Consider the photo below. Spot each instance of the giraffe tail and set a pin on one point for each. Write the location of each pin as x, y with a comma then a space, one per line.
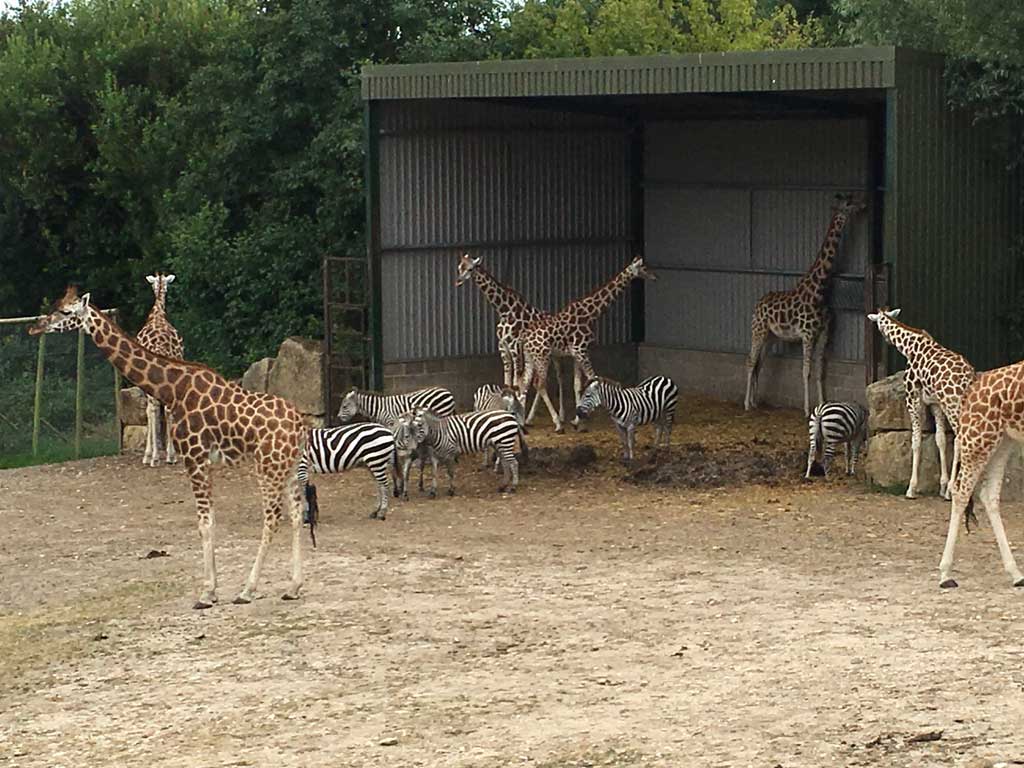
969, 516
312, 513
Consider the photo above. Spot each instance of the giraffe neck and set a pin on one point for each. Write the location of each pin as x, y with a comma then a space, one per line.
817, 276
595, 303
159, 310
504, 299
909, 342
136, 363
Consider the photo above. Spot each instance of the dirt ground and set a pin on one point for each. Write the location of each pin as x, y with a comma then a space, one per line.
599, 617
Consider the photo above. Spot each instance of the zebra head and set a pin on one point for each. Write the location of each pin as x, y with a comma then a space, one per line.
882, 318
349, 406
69, 314
424, 424
406, 438
466, 266
510, 402
590, 399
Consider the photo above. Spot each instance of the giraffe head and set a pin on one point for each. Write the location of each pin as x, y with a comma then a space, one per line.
637, 268
846, 205
883, 319
69, 314
466, 266
159, 283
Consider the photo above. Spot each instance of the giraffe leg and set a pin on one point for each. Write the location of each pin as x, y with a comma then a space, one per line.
916, 409
991, 491
292, 498
507, 363
199, 475
975, 458
582, 368
540, 382
271, 482
171, 458
556, 362
940, 443
758, 336
819, 360
150, 457
954, 468
808, 344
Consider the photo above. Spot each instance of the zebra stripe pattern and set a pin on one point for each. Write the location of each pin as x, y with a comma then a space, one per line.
385, 409
831, 424
452, 436
494, 397
652, 400
339, 448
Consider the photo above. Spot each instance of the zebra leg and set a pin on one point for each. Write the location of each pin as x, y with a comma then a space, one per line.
450, 466
406, 464
624, 439
810, 457
826, 458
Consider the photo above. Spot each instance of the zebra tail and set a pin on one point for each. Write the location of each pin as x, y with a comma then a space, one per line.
969, 516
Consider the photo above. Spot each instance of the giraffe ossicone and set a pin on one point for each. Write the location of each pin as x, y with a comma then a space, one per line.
210, 417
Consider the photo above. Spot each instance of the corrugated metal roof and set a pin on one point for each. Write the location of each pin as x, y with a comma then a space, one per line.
813, 69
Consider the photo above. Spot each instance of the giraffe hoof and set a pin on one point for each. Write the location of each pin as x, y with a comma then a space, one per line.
1019, 582
200, 605
559, 430
241, 600
289, 596
948, 584
910, 495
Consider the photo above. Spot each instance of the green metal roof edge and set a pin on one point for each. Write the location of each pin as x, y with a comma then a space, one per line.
737, 71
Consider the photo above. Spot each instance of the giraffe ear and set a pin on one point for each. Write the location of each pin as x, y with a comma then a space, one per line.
873, 317
893, 313
85, 299
169, 279
477, 260
151, 279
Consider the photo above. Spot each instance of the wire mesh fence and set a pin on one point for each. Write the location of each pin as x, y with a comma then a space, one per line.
58, 397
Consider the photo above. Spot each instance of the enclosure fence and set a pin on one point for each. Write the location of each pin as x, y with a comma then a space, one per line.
58, 396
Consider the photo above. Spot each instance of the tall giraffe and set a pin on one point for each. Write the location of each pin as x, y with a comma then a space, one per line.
936, 378
514, 314
570, 331
991, 425
212, 420
801, 314
162, 338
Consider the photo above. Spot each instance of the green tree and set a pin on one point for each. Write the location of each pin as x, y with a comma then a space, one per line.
546, 28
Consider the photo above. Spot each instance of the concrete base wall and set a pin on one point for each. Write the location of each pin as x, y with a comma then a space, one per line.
725, 375
462, 375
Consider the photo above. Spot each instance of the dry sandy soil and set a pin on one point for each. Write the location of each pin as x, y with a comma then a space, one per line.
599, 617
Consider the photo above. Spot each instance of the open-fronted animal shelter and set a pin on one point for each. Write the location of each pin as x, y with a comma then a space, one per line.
719, 168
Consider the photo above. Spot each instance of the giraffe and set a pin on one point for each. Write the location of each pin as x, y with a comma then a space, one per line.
936, 378
991, 425
801, 313
212, 420
570, 332
514, 314
159, 336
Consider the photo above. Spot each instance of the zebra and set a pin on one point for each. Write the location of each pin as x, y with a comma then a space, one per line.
831, 424
407, 448
494, 397
335, 449
652, 400
454, 435
386, 409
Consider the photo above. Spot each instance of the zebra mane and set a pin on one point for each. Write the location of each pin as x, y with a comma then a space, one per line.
605, 381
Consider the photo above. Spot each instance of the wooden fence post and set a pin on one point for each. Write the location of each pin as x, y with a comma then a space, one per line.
79, 391
117, 398
38, 405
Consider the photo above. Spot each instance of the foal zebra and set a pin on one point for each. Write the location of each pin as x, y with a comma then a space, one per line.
652, 400
831, 424
336, 449
451, 436
386, 409
494, 397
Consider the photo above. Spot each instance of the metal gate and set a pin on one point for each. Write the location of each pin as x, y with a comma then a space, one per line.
348, 329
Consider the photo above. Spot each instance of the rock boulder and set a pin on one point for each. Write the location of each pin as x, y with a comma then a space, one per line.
257, 377
133, 406
889, 459
297, 374
133, 439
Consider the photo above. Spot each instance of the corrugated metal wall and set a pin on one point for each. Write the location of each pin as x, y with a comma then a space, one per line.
543, 197
955, 216
734, 209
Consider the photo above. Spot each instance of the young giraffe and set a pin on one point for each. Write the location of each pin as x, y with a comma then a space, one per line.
514, 314
991, 425
162, 338
212, 420
936, 378
801, 313
570, 331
